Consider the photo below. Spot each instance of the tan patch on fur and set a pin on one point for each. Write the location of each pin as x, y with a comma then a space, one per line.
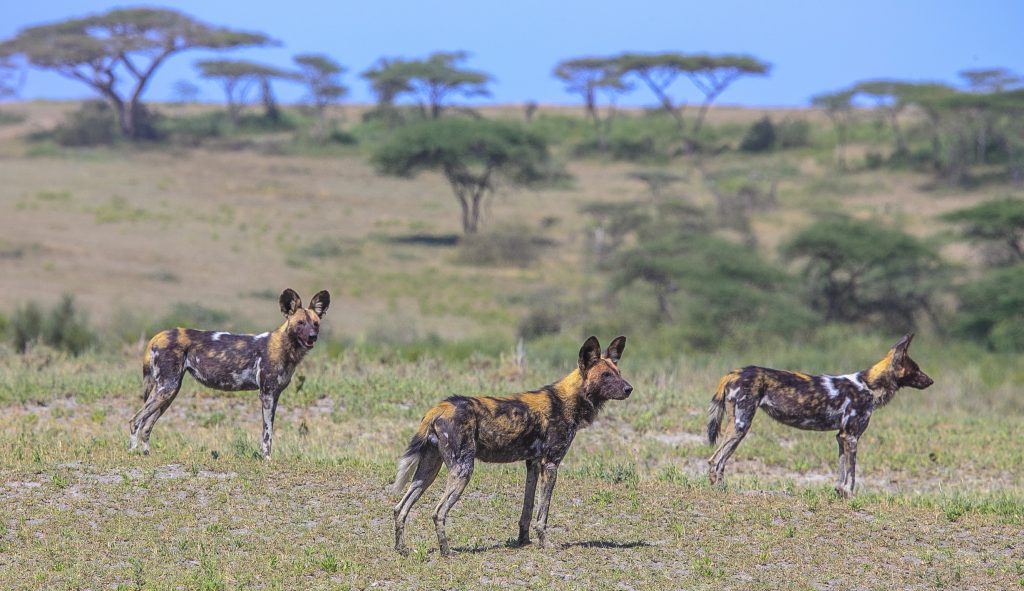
880, 369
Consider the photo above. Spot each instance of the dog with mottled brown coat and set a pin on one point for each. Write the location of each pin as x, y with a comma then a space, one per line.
535, 427
811, 402
229, 362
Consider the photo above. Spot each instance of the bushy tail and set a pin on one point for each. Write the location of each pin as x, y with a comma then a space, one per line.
716, 410
410, 460
147, 382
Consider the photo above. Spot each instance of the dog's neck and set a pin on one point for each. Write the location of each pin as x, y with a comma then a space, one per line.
580, 407
880, 378
283, 349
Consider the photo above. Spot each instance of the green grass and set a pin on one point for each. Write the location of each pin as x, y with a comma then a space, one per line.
939, 488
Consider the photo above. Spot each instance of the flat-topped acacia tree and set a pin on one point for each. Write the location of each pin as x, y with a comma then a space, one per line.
591, 77
474, 155
116, 53
430, 82
238, 77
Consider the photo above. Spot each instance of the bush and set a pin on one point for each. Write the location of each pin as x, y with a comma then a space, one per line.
792, 133
64, 327
710, 289
861, 271
195, 315
93, 124
507, 246
997, 224
760, 137
990, 310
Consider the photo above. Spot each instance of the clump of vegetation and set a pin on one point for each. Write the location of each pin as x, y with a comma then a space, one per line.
504, 246
474, 155
760, 136
93, 124
991, 309
997, 225
714, 288
63, 327
863, 272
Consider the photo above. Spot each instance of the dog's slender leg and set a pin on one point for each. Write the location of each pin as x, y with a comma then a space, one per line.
851, 464
742, 416
148, 384
160, 401
841, 472
548, 476
532, 470
426, 472
269, 402
458, 478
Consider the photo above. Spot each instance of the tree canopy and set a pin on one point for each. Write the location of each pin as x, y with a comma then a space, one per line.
590, 77
430, 82
999, 222
990, 309
863, 271
116, 53
239, 77
322, 77
474, 155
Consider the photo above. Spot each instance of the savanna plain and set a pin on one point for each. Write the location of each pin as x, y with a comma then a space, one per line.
144, 235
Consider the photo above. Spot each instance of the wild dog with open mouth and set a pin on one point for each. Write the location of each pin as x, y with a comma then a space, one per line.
536, 426
230, 362
815, 403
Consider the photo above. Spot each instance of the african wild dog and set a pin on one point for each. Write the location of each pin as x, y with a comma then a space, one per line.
536, 426
815, 403
226, 361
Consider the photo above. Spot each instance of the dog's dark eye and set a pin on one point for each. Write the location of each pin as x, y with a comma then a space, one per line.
302, 322
316, 324
606, 374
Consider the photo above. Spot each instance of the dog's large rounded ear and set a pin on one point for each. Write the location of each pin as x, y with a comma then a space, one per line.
320, 302
290, 302
590, 354
615, 348
899, 350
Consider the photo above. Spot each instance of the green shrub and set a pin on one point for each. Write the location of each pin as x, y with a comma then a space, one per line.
760, 137
64, 327
540, 321
93, 124
991, 309
792, 133
863, 272
195, 315
997, 224
709, 289
506, 246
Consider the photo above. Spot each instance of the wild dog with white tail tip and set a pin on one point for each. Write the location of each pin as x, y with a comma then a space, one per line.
811, 402
230, 362
536, 427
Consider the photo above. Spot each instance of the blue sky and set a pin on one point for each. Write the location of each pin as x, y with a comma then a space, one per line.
813, 46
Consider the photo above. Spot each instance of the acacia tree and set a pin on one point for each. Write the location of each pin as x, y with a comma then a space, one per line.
859, 271
431, 82
322, 77
999, 222
239, 77
117, 53
713, 74
889, 97
589, 77
11, 77
658, 71
474, 155
838, 106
